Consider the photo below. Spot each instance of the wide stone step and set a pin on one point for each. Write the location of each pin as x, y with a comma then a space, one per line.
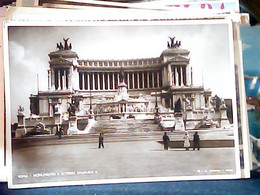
124, 126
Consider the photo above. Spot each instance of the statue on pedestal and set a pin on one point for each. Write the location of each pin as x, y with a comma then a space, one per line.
178, 107
72, 109
20, 110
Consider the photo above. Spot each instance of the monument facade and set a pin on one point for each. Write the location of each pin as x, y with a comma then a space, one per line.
84, 89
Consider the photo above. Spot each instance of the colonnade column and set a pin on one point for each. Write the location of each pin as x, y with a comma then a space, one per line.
170, 74
187, 75
152, 79
52, 79
88, 76
103, 80
158, 79
70, 78
59, 80
113, 76
49, 79
133, 80
165, 75
65, 79
83, 81
127, 79
148, 80
108, 81
202, 101
181, 75
98, 80
176, 77
93, 81
143, 79
138, 84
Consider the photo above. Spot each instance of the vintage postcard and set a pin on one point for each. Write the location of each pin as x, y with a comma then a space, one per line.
119, 102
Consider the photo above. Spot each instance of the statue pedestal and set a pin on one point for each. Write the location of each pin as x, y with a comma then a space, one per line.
189, 118
57, 118
224, 122
20, 132
179, 122
20, 118
73, 129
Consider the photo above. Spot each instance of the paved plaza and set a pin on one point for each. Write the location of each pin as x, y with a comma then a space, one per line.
119, 159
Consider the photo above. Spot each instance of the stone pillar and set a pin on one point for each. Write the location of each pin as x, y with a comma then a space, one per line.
52, 80
191, 76
103, 81
133, 80
158, 79
153, 79
169, 75
113, 76
138, 81
69, 78
93, 81
176, 76
98, 80
108, 81
88, 82
65, 79
181, 73
148, 85
59, 80
165, 75
128, 80
49, 79
202, 101
187, 76
83, 81
143, 79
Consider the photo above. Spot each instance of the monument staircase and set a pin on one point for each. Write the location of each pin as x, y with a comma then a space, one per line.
125, 127
132, 129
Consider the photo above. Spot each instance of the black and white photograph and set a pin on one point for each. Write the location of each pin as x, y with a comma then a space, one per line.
120, 102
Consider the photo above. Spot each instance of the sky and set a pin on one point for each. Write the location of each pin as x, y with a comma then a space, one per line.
29, 48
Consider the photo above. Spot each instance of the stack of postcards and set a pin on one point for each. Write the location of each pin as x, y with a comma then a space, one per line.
100, 91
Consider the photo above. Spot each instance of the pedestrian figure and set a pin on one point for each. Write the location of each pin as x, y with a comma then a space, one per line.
173, 128
59, 131
166, 141
101, 141
186, 141
196, 141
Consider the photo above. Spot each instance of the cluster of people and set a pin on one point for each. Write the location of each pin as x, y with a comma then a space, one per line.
166, 141
186, 144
